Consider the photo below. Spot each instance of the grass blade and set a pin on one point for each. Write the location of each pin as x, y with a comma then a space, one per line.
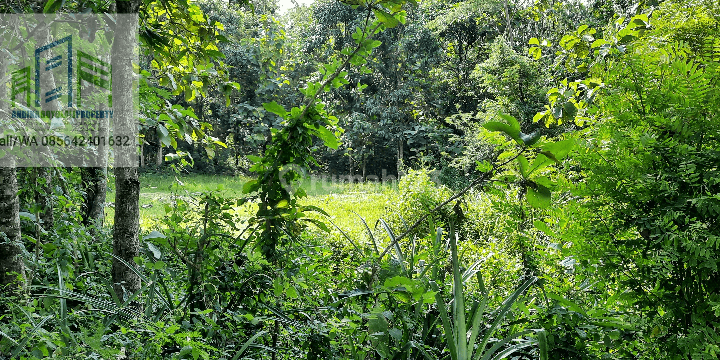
459, 299
449, 334
145, 279
394, 242
346, 236
542, 341
502, 343
502, 312
370, 234
247, 344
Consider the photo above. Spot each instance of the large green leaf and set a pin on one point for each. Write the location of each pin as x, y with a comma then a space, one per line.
505, 128
514, 123
53, 6
275, 108
327, 136
541, 161
386, 18
523, 166
560, 149
539, 196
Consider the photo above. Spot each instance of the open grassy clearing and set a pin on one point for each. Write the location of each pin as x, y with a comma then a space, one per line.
342, 201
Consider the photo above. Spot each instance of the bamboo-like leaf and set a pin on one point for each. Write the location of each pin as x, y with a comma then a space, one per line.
502, 312
247, 344
476, 322
502, 343
394, 243
542, 341
370, 234
458, 299
449, 334
509, 351
347, 237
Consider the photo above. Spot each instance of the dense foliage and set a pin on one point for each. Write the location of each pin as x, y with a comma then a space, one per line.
547, 188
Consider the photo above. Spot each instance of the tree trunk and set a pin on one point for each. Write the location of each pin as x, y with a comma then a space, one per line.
351, 167
159, 155
364, 167
44, 196
126, 244
94, 181
12, 268
142, 153
400, 158
43, 188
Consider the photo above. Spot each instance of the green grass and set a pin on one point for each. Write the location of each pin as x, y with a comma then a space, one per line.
339, 200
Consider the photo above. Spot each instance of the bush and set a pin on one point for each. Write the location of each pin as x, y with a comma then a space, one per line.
417, 195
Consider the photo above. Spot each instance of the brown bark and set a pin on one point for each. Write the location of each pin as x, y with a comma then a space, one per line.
126, 244
94, 182
43, 189
12, 268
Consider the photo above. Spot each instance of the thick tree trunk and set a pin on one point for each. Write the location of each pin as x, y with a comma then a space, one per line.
126, 245
12, 268
159, 154
142, 154
94, 180
43, 189
44, 196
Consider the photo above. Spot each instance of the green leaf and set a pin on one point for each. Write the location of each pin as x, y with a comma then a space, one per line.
530, 139
291, 292
53, 6
542, 226
567, 303
505, 128
386, 18
154, 235
327, 136
542, 342
523, 165
539, 116
275, 108
163, 135
534, 41
189, 94
251, 186
569, 111
560, 149
539, 196
541, 161
27, 216
514, 124
155, 251
398, 281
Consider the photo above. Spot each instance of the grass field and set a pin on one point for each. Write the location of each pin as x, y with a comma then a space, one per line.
342, 201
